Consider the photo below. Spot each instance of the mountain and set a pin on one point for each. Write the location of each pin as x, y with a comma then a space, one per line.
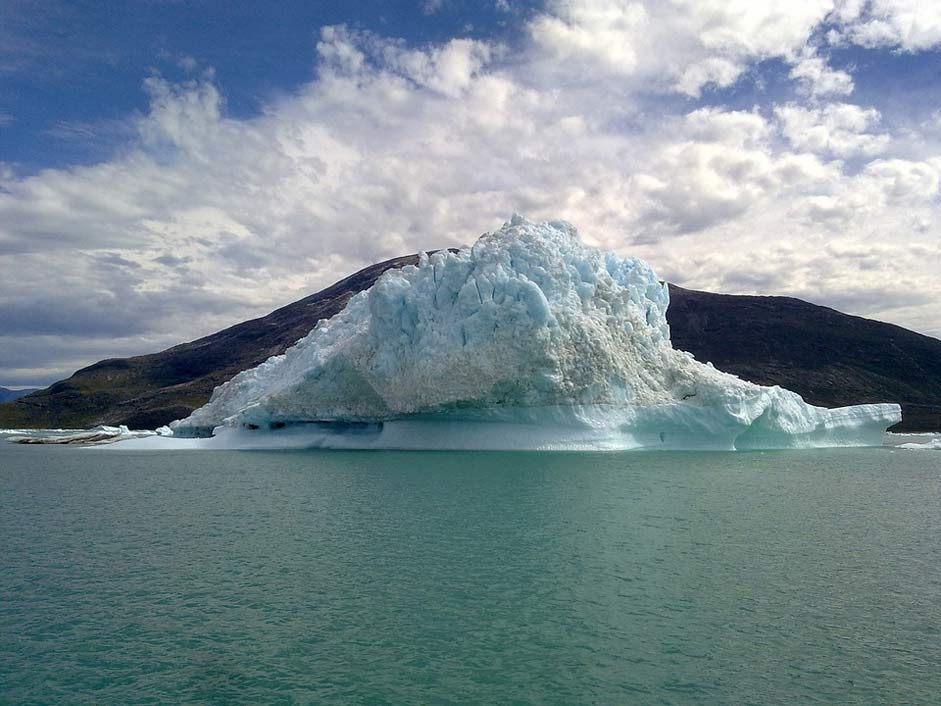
830, 358
8, 395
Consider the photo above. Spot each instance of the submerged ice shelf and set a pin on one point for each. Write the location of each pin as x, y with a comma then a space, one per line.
527, 339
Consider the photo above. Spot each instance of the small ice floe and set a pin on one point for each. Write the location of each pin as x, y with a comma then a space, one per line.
28, 432
921, 441
101, 434
932, 444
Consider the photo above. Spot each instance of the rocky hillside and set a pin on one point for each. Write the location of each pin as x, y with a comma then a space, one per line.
830, 358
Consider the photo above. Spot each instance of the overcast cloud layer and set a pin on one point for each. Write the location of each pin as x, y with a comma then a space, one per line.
611, 114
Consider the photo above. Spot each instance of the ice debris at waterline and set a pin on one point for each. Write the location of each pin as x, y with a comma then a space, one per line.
529, 339
101, 434
930, 445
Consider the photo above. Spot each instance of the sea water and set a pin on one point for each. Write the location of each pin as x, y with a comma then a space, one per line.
226, 577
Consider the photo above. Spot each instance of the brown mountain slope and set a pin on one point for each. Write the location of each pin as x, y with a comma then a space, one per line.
830, 358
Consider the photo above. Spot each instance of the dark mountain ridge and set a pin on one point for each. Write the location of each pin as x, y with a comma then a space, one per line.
831, 359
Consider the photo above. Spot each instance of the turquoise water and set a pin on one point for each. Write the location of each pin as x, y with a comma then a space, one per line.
396, 578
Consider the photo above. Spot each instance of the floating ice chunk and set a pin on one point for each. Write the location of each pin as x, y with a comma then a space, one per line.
930, 445
528, 339
101, 434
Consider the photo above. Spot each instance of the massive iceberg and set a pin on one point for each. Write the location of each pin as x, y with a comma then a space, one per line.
527, 339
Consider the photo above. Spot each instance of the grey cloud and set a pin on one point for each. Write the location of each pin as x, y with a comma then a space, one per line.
67, 317
172, 260
753, 281
106, 313
39, 360
115, 260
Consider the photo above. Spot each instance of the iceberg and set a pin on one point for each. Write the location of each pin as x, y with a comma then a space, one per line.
529, 339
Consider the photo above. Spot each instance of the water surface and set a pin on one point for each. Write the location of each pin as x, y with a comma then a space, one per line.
487, 578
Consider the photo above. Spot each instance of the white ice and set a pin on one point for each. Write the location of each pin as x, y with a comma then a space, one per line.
101, 434
930, 445
527, 339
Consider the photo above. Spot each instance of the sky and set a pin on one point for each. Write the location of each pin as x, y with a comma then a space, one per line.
169, 168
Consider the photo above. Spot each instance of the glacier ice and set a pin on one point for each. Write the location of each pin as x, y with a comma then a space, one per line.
527, 339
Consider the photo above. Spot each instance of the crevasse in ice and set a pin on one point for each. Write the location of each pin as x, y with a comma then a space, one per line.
527, 339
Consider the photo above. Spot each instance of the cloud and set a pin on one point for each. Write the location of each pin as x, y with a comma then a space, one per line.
685, 46
815, 78
838, 129
186, 62
606, 33
200, 220
430, 7
911, 25
718, 172
100, 134
691, 46
447, 69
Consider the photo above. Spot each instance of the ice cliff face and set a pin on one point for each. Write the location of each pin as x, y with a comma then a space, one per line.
528, 328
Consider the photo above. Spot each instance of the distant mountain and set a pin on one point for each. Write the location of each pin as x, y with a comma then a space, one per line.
8, 395
830, 358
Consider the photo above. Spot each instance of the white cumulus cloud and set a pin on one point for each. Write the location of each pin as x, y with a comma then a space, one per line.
839, 129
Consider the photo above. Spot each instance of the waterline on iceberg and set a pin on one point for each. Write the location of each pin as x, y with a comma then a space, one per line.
574, 428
